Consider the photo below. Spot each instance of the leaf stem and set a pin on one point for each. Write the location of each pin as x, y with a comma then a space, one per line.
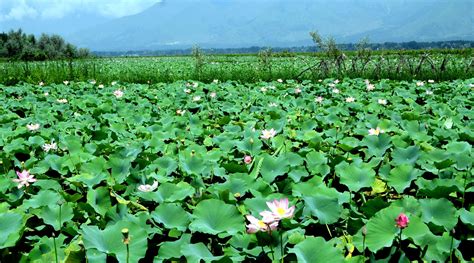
55, 249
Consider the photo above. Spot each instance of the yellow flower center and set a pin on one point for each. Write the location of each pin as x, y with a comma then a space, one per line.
280, 211
261, 224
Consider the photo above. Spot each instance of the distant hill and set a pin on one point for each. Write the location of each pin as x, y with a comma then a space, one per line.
175, 24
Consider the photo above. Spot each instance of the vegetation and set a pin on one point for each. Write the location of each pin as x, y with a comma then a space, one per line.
16, 45
352, 171
267, 66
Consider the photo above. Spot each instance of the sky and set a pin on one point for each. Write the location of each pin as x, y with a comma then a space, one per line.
18, 10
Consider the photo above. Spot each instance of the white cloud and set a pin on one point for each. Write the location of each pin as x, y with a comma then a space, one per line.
51, 9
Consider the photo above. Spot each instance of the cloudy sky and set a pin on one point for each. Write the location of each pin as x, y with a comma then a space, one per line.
18, 10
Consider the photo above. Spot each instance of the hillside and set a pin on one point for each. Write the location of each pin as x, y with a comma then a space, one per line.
240, 23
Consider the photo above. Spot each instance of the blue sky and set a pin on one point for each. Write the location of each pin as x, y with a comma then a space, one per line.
18, 10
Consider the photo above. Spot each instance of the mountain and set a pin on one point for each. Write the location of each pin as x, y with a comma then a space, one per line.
174, 24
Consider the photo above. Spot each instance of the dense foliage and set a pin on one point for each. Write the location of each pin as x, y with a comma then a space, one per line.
265, 66
16, 45
377, 170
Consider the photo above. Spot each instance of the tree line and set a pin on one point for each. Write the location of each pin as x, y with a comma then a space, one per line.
17, 45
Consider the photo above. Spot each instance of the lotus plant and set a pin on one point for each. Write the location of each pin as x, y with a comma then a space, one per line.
376, 131
248, 159
24, 179
148, 188
33, 126
268, 134
50, 146
118, 93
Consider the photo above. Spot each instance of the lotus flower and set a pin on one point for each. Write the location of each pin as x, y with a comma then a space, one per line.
336, 81
180, 112
263, 89
62, 100
196, 98
215, 81
280, 80
118, 93
46, 94
147, 187
33, 127
402, 221
101, 86
420, 83
431, 81
376, 131
51, 146
429, 92
272, 104
297, 91
257, 225
247, 159
278, 210
93, 82
41, 83
24, 178
66, 82
213, 95
268, 134
350, 99
336, 91
319, 99
382, 101
113, 83
187, 91
370, 87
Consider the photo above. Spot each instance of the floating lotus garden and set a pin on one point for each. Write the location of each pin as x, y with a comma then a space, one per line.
329, 171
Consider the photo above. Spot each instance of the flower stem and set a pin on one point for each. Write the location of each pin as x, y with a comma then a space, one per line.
281, 246
55, 249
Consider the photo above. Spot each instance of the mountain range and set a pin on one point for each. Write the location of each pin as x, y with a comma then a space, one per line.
175, 24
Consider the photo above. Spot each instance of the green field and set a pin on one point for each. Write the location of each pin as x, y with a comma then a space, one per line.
438, 65
172, 170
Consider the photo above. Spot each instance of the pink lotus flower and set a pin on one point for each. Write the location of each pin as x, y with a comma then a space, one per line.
118, 94
278, 210
268, 134
248, 159
147, 187
24, 178
213, 95
297, 91
319, 99
402, 221
257, 225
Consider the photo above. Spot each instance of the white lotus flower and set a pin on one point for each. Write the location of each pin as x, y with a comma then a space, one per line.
180, 112
33, 127
297, 91
376, 131
215, 81
429, 92
148, 188
370, 87
272, 104
213, 95
62, 100
350, 99
41, 83
50, 146
280, 80
319, 99
268, 134
187, 91
263, 89
336, 91
66, 82
196, 98
113, 83
382, 101
431, 81
420, 83
46, 94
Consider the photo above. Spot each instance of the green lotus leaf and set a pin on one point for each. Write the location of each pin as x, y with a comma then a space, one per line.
440, 212
407, 155
355, 175
11, 228
196, 252
56, 216
213, 216
99, 199
171, 216
377, 145
316, 249
317, 163
110, 240
381, 229
172, 249
401, 177
273, 167
327, 209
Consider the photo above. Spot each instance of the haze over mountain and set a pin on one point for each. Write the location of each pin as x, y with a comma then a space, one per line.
174, 24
